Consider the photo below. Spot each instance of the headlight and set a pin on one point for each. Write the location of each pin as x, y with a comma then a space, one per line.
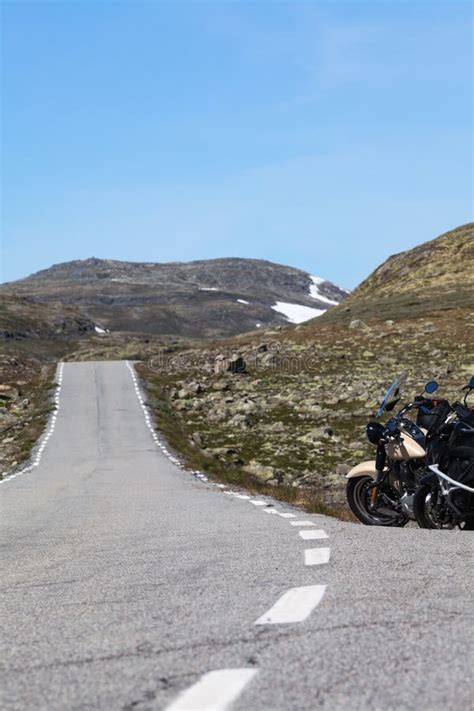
374, 432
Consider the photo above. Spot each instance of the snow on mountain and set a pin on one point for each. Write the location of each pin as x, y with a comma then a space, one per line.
296, 313
315, 293
242, 301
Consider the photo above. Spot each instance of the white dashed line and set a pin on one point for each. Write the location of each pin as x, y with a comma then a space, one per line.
149, 423
46, 435
313, 535
293, 606
302, 523
286, 515
316, 556
257, 502
214, 691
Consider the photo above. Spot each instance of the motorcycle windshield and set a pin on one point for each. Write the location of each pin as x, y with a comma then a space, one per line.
392, 393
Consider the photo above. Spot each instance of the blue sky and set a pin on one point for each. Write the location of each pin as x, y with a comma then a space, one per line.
324, 135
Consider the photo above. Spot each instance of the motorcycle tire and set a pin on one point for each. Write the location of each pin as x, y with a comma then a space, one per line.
358, 498
421, 511
421, 503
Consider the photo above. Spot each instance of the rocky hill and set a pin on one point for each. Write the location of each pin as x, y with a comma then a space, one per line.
435, 276
24, 318
209, 298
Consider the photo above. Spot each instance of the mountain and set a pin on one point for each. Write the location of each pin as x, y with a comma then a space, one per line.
208, 298
433, 277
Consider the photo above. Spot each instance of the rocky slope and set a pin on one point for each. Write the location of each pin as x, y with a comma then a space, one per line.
24, 318
288, 408
435, 276
210, 298
26, 386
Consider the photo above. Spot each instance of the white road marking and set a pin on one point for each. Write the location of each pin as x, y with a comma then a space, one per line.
316, 556
242, 496
270, 510
214, 691
256, 502
148, 418
286, 515
313, 535
293, 606
46, 435
302, 523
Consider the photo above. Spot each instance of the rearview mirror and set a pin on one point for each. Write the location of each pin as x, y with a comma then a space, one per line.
391, 405
431, 387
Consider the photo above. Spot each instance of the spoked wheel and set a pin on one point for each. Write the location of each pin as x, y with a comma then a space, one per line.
429, 514
424, 508
359, 498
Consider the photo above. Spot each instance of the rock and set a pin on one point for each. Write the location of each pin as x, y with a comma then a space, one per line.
181, 406
233, 365
195, 388
237, 365
267, 360
221, 364
278, 427
242, 422
358, 324
260, 471
197, 439
315, 436
342, 469
225, 453
220, 385
247, 407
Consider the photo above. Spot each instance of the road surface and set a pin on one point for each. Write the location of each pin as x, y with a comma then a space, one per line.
129, 584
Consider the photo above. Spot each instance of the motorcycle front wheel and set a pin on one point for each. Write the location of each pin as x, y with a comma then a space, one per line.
358, 492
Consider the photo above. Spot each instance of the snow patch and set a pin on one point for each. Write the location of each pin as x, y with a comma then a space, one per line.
258, 325
242, 301
208, 288
316, 294
296, 313
99, 329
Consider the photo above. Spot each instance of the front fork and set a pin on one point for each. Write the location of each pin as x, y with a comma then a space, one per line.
380, 461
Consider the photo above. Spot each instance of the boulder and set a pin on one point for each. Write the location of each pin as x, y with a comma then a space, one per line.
237, 364
260, 471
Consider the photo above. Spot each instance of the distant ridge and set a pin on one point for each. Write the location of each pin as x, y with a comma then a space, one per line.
205, 298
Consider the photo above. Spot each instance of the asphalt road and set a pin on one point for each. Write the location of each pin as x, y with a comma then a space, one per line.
128, 584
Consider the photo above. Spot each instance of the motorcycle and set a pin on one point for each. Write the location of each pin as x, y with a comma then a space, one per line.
444, 497
380, 492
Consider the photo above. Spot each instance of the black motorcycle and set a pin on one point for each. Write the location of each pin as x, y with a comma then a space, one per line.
444, 497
